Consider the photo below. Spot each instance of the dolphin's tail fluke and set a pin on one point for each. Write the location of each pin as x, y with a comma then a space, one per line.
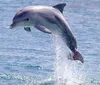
78, 56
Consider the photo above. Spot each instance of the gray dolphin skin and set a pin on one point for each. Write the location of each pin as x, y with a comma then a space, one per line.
48, 19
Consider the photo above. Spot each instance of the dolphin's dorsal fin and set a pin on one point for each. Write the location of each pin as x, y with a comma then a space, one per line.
60, 7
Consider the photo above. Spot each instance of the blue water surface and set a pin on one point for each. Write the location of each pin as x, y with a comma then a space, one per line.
28, 59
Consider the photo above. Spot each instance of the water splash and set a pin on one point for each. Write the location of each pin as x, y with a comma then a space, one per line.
67, 72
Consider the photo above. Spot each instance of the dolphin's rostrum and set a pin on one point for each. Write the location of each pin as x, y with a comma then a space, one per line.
48, 19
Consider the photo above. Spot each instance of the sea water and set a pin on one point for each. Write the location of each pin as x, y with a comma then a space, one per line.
31, 59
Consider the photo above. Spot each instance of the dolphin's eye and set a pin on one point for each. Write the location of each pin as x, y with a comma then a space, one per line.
27, 19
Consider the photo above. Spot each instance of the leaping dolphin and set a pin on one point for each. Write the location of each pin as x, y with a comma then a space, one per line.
48, 19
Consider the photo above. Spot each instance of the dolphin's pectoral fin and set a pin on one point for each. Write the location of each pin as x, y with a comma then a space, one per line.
27, 29
60, 7
43, 29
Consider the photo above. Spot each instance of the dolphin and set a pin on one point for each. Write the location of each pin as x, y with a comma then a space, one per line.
48, 19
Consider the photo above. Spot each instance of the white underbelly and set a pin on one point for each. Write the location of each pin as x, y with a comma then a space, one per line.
50, 26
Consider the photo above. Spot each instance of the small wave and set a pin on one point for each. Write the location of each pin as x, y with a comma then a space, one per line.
33, 67
28, 80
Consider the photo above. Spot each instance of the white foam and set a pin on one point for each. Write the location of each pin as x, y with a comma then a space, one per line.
67, 72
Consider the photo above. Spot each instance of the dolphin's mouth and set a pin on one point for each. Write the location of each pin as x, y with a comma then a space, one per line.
11, 26
16, 24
